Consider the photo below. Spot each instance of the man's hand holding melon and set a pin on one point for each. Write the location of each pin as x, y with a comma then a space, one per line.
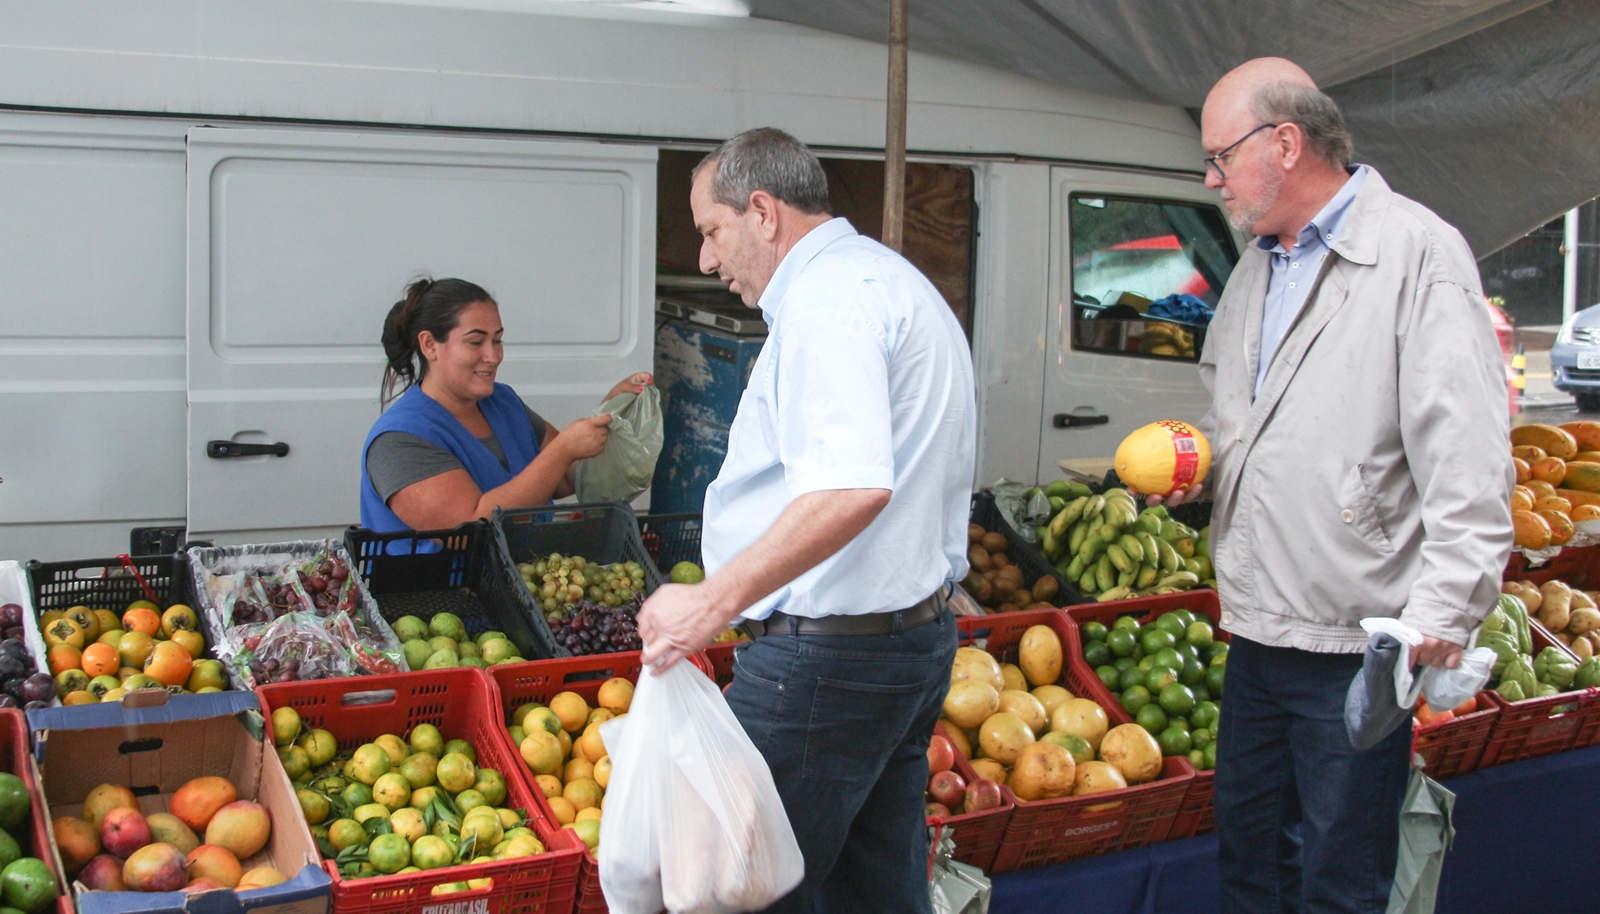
1165, 461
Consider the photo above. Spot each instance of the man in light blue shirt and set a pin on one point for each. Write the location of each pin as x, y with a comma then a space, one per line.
836, 523
1294, 273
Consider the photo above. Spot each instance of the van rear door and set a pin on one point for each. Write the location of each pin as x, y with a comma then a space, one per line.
1120, 242
301, 240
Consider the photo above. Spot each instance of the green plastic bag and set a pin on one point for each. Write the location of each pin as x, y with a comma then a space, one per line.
1426, 833
624, 469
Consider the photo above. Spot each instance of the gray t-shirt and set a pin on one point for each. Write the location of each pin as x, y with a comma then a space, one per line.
399, 459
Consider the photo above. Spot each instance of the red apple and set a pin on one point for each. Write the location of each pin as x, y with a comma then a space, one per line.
947, 787
982, 794
124, 831
938, 811
941, 755
103, 874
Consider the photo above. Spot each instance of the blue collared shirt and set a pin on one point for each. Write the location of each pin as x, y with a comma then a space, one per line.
1294, 273
865, 382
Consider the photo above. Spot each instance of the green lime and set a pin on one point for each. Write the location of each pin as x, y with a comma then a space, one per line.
1192, 673
9, 850
1201, 693
1138, 651
1174, 741
1187, 651
1152, 718
1214, 678
1199, 634
1130, 677
1122, 663
1171, 623
1093, 631
1201, 736
1197, 758
1110, 676
1158, 679
1135, 698
1154, 639
1205, 713
687, 573
1148, 663
1217, 652
14, 802
1210, 755
1120, 641
1095, 653
1126, 624
1176, 699
1179, 721
1169, 658
1185, 616
28, 885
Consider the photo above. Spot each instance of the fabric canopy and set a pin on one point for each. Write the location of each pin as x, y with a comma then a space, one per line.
1488, 111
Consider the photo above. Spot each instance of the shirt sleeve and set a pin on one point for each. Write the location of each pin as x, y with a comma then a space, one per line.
833, 412
541, 428
397, 459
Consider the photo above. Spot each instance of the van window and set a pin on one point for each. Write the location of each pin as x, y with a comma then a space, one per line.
1146, 274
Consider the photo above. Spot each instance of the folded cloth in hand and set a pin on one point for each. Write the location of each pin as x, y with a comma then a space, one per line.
1180, 307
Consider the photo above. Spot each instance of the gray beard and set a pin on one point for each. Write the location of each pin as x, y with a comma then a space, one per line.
1245, 219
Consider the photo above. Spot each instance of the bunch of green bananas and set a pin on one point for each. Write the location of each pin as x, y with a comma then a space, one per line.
1109, 548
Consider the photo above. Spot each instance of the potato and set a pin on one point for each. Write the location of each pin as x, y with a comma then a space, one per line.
994, 542
1555, 606
978, 558
1583, 648
1579, 622
1530, 596
1564, 638
1582, 600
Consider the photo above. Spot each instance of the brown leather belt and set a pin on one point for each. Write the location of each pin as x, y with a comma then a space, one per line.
882, 623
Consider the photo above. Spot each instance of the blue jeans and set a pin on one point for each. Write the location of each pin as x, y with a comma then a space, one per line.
1305, 823
844, 723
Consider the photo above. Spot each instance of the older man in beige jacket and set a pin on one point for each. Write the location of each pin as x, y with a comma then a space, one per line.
1362, 469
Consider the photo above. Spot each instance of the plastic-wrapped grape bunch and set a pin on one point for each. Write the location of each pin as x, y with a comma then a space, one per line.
261, 598
595, 628
560, 582
325, 580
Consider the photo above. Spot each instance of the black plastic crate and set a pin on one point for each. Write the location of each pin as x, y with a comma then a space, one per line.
671, 538
109, 583
1032, 562
456, 571
605, 533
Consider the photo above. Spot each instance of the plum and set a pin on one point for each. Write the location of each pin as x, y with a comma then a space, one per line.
10, 615
38, 687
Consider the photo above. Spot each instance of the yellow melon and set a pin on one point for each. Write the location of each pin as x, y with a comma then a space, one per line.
1162, 457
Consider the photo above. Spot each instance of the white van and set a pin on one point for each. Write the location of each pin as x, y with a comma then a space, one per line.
209, 207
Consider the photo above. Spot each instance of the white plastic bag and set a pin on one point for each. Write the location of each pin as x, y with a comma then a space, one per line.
1444, 688
696, 825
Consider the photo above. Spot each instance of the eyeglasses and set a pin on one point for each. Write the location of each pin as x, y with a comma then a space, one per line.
1213, 162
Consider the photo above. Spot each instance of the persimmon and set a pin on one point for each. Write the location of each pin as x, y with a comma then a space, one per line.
141, 619
100, 659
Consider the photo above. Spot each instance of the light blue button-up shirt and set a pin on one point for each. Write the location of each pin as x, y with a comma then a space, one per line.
865, 382
1294, 273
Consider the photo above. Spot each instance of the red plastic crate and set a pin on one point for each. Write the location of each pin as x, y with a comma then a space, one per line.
462, 703
977, 834
1196, 815
1456, 746
1576, 566
1045, 832
16, 757
720, 656
1541, 726
539, 680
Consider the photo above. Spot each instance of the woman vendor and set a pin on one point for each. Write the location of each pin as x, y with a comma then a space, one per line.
452, 444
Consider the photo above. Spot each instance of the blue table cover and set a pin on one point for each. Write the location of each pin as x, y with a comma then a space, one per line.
1520, 829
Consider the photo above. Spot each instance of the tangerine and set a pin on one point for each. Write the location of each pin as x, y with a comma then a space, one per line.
101, 660
141, 619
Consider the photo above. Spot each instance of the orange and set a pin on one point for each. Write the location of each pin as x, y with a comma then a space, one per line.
63, 657
141, 619
616, 695
169, 662
571, 709
193, 642
101, 660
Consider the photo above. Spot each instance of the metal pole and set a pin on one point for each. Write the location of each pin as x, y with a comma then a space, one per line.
894, 147
1569, 271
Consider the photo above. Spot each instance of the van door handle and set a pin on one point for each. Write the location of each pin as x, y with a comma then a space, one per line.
218, 450
1071, 420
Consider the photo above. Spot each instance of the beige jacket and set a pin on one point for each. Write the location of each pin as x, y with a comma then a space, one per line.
1373, 475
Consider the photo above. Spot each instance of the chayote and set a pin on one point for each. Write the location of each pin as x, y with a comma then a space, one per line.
1521, 672
1555, 667
1588, 675
1510, 690
1504, 645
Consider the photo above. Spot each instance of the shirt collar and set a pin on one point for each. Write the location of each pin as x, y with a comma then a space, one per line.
794, 263
1328, 225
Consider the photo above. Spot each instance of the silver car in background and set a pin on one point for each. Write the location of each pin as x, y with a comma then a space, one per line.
1575, 359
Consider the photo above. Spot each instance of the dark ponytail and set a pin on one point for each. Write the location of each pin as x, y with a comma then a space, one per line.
431, 305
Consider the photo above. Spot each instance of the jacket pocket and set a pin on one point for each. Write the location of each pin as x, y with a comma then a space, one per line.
1359, 510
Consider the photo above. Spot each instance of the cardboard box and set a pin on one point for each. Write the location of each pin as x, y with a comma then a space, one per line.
157, 749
